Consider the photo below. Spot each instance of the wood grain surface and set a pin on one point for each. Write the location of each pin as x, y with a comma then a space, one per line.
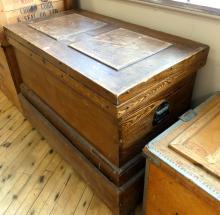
116, 111
168, 195
177, 174
201, 141
120, 48
128, 117
62, 27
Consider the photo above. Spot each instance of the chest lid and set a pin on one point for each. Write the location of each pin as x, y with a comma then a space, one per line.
115, 59
200, 142
192, 146
117, 48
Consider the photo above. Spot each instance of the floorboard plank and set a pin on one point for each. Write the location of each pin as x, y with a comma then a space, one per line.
5, 105
70, 197
34, 187
11, 163
15, 140
7, 117
56, 192
84, 202
34, 179
51, 190
10, 176
7, 200
10, 127
97, 207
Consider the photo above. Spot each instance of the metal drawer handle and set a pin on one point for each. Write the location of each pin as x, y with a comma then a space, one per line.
161, 113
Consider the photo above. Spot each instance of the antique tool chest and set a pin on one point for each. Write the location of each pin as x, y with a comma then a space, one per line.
99, 88
13, 11
183, 165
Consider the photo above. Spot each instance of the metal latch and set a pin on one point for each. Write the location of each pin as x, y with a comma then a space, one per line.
189, 115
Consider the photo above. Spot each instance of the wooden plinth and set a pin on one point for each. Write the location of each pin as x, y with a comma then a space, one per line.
121, 200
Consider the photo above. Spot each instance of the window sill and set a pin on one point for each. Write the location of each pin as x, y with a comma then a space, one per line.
182, 6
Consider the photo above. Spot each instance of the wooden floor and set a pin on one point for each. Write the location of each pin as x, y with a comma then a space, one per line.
33, 178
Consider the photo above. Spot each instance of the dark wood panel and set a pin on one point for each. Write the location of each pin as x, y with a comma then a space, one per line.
71, 4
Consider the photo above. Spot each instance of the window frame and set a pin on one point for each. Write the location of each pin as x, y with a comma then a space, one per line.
182, 6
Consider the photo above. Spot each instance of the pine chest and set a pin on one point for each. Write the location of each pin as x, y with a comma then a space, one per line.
183, 165
99, 88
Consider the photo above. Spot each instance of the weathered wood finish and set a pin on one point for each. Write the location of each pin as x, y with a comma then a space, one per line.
189, 171
121, 200
120, 47
128, 121
117, 87
200, 142
118, 175
86, 108
134, 125
63, 27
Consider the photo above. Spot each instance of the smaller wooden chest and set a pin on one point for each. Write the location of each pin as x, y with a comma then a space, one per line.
183, 165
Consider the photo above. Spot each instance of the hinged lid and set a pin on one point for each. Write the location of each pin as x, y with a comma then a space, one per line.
200, 142
117, 48
115, 59
192, 147
120, 48
62, 27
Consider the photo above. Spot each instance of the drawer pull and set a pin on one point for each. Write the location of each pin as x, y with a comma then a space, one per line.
161, 113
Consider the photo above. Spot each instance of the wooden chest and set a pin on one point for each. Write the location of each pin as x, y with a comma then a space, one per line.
13, 11
183, 165
104, 87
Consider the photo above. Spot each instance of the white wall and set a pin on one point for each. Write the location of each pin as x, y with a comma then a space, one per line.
195, 27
